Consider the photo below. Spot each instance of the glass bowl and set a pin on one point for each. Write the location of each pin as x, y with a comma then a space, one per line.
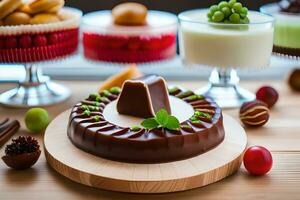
225, 47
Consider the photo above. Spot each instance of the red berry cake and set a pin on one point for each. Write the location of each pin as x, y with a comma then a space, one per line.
121, 35
39, 42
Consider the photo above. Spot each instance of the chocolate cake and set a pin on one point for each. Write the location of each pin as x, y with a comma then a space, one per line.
143, 97
89, 130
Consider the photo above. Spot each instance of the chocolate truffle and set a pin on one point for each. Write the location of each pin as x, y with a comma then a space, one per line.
254, 113
294, 80
144, 97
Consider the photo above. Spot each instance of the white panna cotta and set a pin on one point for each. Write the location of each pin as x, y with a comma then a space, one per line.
226, 45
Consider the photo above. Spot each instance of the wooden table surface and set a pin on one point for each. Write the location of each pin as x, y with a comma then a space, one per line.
281, 135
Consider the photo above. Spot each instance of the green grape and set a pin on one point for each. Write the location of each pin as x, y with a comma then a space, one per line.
243, 15
245, 20
218, 16
209, 15
237, 7
234, 18
115, 90
231, 3
36, 120
244, 11
223, 4
213, 9
227, 12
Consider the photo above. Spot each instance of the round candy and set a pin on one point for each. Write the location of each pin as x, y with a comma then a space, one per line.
294, 80
268, 95
37, 120
254, 113
258, 160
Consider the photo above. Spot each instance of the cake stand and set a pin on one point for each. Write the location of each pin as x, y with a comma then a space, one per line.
287, 31
94, 171
225, 47
103, 41
62, 41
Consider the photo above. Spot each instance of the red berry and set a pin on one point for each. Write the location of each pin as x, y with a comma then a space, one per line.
268, 95
258, 160
168, 40
2, 44
154, 43
134, 43
53, 38
25, 41
11, 43
40, 40
116, 42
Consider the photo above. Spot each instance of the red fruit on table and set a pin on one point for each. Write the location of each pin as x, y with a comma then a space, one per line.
53, 38
11, 43
258, 160
25, 41
268, 95
40, 40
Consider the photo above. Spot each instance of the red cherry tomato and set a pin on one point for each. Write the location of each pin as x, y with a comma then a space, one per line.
258, 160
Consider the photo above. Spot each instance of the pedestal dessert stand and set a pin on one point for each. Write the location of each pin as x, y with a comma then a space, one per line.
225, 47
36, 89
94, 171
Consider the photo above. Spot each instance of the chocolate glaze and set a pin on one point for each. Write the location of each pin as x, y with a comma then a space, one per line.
144, 97
287, 51
110, 141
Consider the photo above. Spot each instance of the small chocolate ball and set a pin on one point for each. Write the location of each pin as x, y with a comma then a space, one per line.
268, 95
254, 113
294, 80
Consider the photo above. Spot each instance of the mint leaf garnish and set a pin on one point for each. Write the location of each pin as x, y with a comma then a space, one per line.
150, 123
173, 123
161, 119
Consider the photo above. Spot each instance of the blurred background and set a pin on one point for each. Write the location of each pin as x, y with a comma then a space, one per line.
77, 68
174, 6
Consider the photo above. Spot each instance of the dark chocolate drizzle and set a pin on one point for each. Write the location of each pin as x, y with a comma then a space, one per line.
123, 144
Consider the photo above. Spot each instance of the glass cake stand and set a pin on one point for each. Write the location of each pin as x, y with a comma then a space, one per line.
225, 47
37, 89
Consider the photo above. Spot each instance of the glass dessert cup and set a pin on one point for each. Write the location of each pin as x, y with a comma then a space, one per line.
36, 89
225, 47
286, 31
104, 41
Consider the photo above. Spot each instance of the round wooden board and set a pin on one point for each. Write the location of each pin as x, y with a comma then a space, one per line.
94, 171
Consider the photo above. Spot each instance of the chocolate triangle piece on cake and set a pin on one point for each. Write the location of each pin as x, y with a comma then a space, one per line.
143, 97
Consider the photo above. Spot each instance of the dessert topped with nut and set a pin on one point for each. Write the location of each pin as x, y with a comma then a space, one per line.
37, 30
217, 36
129, 33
